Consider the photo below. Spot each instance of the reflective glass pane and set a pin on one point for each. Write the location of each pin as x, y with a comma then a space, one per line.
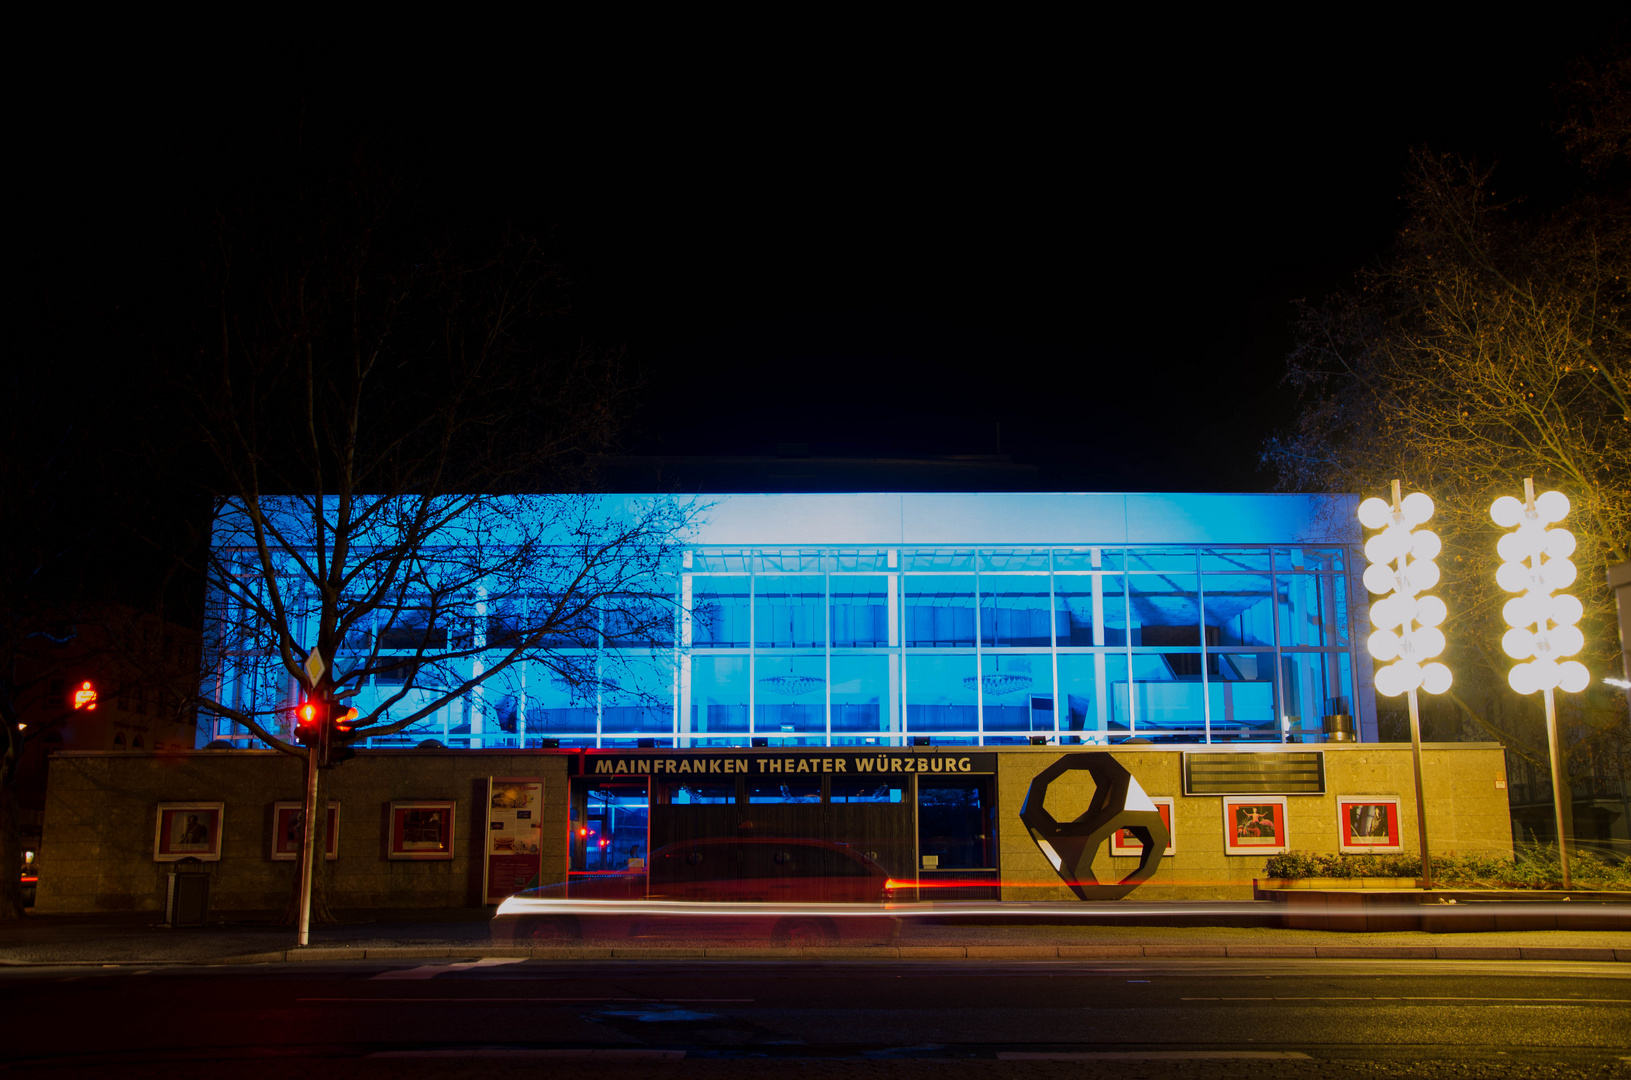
939, 611
1242, 690
1239, 609
868, 791
554, 707
862, 700
860, 611
790, 561
719, 694
1018, 691
639, 693
938, 559
1323, 560
720, 612
1014, 611
1088, 684
1317, 685
1166, 609
791, 694
1235, 560
1084, 604
1313, 610
1167, 560
784, 791
847, 559
1102, 558
790, 612
640, 619
1014, 559
942, 693
695, 792
719, 561
1171, 699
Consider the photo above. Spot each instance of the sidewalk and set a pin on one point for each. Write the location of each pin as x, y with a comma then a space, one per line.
135, 939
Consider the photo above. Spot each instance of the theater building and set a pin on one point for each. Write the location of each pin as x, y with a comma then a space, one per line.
940, 681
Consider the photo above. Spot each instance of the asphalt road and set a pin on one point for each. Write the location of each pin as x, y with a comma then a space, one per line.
905, 1019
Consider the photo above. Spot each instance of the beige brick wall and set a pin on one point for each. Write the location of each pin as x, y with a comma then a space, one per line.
97, 850
1466, 812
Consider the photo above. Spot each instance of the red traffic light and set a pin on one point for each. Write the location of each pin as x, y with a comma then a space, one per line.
308, 721
85, 696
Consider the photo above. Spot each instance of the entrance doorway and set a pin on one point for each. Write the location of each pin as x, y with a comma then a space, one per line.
611, 826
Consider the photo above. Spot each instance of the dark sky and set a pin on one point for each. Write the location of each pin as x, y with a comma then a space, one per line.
884, 242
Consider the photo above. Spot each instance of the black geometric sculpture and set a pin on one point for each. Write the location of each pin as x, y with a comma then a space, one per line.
1118, 803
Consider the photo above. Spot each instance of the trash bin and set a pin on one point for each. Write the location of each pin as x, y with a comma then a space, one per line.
187, 901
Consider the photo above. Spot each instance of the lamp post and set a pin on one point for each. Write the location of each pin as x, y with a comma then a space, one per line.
1535, 563
1406, 636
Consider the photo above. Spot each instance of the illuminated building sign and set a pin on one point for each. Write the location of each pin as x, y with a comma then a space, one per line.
853, 764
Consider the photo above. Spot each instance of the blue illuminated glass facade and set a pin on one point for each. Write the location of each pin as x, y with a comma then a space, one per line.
832, 643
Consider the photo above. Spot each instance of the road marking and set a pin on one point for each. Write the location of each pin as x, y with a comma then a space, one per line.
430, 971
551, 1000
1565, 1001
523, 1052
1160, 1055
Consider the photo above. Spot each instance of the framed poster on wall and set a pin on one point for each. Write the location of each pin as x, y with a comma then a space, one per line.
1123, 842
190, 830
422, 829
1254, 824
513, 856
1368, 823
289, 831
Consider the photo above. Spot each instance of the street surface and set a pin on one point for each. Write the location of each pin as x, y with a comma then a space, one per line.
1264, 1019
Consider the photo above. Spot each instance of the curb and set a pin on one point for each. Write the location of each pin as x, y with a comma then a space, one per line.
322, 954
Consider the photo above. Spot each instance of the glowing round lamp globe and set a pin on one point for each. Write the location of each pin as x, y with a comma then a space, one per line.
1564, 610
1510, 548
1518, 643
1383, 644
1417, 507
1379, 578
1512, 576
1546, 673
1521, 610
1425, 544
1384, 614
1374, 513
1560, 543
1430, 611
1573, 677
1427, 642
1435, 678
1553, 506
1422, 575
1506, 511
1388, 683
1567, 640
1409, 674
1558, 573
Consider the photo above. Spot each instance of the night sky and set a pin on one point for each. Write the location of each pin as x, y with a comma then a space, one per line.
888, 243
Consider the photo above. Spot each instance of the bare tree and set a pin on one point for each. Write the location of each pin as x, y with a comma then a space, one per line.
1492, 345
397, 427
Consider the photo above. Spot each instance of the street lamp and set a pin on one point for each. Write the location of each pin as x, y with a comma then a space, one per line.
1535, 563
1406, 635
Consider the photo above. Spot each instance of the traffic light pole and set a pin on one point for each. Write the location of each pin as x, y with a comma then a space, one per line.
308, 862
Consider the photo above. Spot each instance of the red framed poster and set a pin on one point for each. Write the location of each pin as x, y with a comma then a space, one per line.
422, 829
1123, 842
1368, 823
288, 831
188, 831
514, 851
1254, 824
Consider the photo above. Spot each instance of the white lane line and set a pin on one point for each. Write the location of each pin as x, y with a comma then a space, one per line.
523, 1052
1160, 1055
1565, 1001
430, 971
550, 1000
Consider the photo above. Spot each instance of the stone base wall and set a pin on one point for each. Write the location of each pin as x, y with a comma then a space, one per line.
96, 853
1465, 787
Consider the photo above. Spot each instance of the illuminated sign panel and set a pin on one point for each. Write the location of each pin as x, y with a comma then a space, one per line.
1290, 773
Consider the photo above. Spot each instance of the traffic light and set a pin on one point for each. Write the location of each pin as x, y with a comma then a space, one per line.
309, 721
337, 745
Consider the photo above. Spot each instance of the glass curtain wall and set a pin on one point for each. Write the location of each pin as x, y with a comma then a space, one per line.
891, 646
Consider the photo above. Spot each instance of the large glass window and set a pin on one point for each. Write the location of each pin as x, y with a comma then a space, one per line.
1090, 609
860, 611
939, 611
1313, 610
942, 693
1243, 699
640, 619
1014, 611
1171, 701
719, 694
862, 698
790, 612
1317, 685
1088, 683
791, 694
1018, 690
720, 612
955, 823
556, 707
1166, 609
1239, 609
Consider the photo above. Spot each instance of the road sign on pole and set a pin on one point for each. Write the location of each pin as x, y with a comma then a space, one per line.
314, 668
